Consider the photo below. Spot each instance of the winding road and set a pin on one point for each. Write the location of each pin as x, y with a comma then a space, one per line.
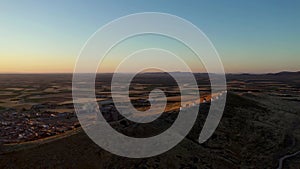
281, 160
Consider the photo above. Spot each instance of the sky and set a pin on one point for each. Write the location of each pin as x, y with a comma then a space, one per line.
250, 36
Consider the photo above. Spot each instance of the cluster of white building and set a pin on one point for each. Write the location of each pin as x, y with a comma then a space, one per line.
196, 103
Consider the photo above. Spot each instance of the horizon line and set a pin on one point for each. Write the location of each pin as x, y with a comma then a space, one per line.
32, 73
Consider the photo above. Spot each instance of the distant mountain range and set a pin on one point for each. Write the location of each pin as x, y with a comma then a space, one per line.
277, 74
285, 73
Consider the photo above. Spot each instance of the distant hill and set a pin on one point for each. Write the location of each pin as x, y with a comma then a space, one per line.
286, 73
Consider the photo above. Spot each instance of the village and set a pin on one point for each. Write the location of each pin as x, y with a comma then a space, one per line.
34, 124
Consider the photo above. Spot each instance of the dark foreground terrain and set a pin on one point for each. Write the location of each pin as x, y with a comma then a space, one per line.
255, 132
260, 127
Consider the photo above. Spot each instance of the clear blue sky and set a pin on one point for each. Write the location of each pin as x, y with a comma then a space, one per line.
250, 36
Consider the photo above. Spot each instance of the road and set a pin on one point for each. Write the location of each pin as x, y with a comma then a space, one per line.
281, 160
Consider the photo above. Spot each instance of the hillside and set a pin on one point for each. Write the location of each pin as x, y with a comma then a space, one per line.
249, 133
